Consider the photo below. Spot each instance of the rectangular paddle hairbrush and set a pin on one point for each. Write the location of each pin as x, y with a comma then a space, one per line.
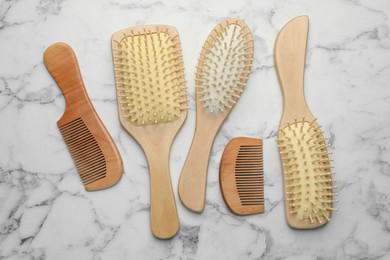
152, 103
241, 176
94, 152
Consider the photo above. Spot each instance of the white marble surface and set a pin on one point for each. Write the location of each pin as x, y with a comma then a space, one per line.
46, 214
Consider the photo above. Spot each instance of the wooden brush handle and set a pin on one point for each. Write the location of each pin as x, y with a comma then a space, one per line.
163, 213
192, 183
61, 62
290, 55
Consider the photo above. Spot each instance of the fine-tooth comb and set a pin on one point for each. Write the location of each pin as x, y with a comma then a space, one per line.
241, 176
223, 69
152, 102
94, 152
308, 183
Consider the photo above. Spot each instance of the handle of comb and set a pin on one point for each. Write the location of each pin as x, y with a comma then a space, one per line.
193, 178
61, 62
163, 213
290, 56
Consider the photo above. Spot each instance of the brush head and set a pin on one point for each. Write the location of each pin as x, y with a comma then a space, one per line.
242, 176
224, 66
307, 172
149, 75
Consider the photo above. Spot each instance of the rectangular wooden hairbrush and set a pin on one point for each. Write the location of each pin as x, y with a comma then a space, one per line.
241, 176
308, 184
152, 102
94, 152
223, 70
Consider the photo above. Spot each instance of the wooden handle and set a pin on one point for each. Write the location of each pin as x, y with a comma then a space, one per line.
192, 183
163, 213
290, 55
61, 62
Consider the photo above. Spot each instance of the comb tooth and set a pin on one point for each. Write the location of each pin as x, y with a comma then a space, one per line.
72, 124
83, 164
80, 140
77, 137
88, 157
86, 168
94, 157
96, 178
96, 173
89, 150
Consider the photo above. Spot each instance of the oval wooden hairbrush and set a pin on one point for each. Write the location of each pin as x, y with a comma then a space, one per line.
152, 102
94, 152
223, 69
308, 185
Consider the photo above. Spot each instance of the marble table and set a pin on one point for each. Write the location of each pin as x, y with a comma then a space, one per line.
45, 213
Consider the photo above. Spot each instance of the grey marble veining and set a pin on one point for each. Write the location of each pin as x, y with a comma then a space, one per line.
45, 213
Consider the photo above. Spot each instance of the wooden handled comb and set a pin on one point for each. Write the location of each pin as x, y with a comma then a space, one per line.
308, 185
222, 72
241, 176
152, 102
94, 152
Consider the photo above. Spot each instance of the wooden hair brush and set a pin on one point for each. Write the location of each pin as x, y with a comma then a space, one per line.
94, 152
152, 101
308, 183
241, 176
223, 69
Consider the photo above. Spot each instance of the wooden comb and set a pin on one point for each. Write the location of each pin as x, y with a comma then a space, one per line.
241, 176
223, 70
308, 185
152, 102
94, 152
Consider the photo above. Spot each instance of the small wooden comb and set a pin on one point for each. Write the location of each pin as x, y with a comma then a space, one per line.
94, 152
241, 176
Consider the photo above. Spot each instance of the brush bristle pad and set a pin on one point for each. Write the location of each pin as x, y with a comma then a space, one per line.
307, 171
224, 66
150, 76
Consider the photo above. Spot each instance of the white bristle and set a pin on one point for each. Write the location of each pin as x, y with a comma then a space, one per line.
224, 67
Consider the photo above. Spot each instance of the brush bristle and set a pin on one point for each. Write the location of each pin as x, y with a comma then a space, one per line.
150, 76
307, 171
224, 66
